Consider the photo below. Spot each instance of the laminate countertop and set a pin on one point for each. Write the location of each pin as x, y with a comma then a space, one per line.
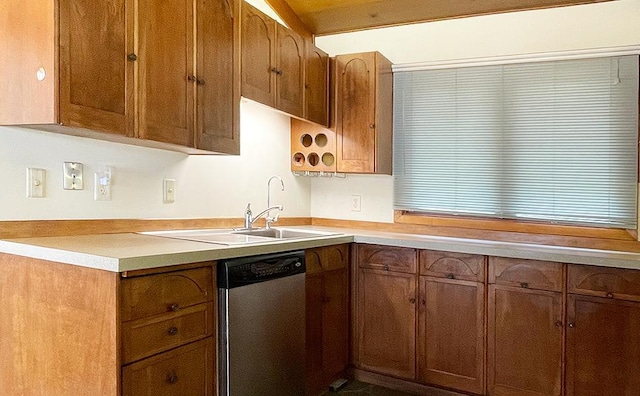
132, 251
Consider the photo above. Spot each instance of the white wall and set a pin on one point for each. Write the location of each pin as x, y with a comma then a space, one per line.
206, 186
601, 25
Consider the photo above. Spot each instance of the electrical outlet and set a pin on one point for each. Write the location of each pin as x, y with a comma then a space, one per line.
72, 176
36, 180
102, 189
356, 202
169, 191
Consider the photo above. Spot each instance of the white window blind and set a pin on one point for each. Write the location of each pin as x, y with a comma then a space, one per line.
549, 141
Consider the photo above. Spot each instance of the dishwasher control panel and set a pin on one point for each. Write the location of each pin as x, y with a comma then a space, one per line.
255, 269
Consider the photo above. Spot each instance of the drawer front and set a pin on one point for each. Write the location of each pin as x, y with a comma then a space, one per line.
326, 258
531, 274
145, 337
150, 295
185, 371
619, 283
452, 265
387, 258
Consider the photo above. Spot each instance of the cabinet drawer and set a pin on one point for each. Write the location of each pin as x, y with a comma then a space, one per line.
327, 258
531, 274
452, 265
185, 371
387, 258
146, 337
150, 295
623, 284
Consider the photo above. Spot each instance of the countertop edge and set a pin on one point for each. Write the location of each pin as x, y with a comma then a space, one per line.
49, 249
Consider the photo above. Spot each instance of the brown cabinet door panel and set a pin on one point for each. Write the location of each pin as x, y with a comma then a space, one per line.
258, 56
314, 303
335, 321
96, 79
603, 347
386, 322
525, 333
218, 77
290, 63
166, 71
317, 86
355, 118
451, 334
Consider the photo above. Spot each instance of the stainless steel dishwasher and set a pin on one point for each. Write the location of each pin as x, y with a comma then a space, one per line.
262, 325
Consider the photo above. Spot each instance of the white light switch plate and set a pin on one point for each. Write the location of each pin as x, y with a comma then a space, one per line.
169, 191
356, 203
36, 181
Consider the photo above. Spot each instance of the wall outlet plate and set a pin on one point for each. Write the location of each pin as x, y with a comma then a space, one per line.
102, 191
356, 203
72, 172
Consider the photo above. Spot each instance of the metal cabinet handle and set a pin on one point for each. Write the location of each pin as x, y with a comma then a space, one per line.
132, 57
609, 295
524, 285
412, 300
571, 325
173, 331
191, 78
174, 307
386, 268
199, 81
558, 323
451, 276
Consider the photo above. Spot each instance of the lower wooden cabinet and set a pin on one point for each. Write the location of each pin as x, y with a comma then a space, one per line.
185, 371
327, 316
451, 334
603, 347
525, 333
386, 322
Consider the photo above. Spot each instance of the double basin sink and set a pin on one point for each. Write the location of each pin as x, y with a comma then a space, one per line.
240, 237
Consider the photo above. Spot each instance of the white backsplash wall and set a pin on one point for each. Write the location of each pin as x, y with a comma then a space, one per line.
589, 26
206, 186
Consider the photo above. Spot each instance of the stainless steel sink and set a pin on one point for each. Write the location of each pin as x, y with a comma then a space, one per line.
279, 233
244, 237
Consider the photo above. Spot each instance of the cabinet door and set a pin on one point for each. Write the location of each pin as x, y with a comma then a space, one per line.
603, 347
27, 43
258, 56
525, 329
355, 112
314, 302
185, 371
96, 79
218, 79
316, 86
335, 319
165, 70
386, 322
451, 334
290, 63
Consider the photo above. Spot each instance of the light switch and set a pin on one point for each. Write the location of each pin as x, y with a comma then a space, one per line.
169, 188
356, 203
36, 181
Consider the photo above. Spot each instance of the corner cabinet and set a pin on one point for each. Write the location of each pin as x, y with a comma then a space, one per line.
110, 55
327, 313
364, 113
273, 62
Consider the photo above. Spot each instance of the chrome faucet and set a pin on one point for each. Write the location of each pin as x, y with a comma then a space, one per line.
249, 218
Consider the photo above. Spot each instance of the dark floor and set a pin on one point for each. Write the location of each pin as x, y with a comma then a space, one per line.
360, 388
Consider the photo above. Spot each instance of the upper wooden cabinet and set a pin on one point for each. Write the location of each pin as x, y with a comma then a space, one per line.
110, 54
316, 86
364, 113
273, 62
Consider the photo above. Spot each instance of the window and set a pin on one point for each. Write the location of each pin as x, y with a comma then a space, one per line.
547, 141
